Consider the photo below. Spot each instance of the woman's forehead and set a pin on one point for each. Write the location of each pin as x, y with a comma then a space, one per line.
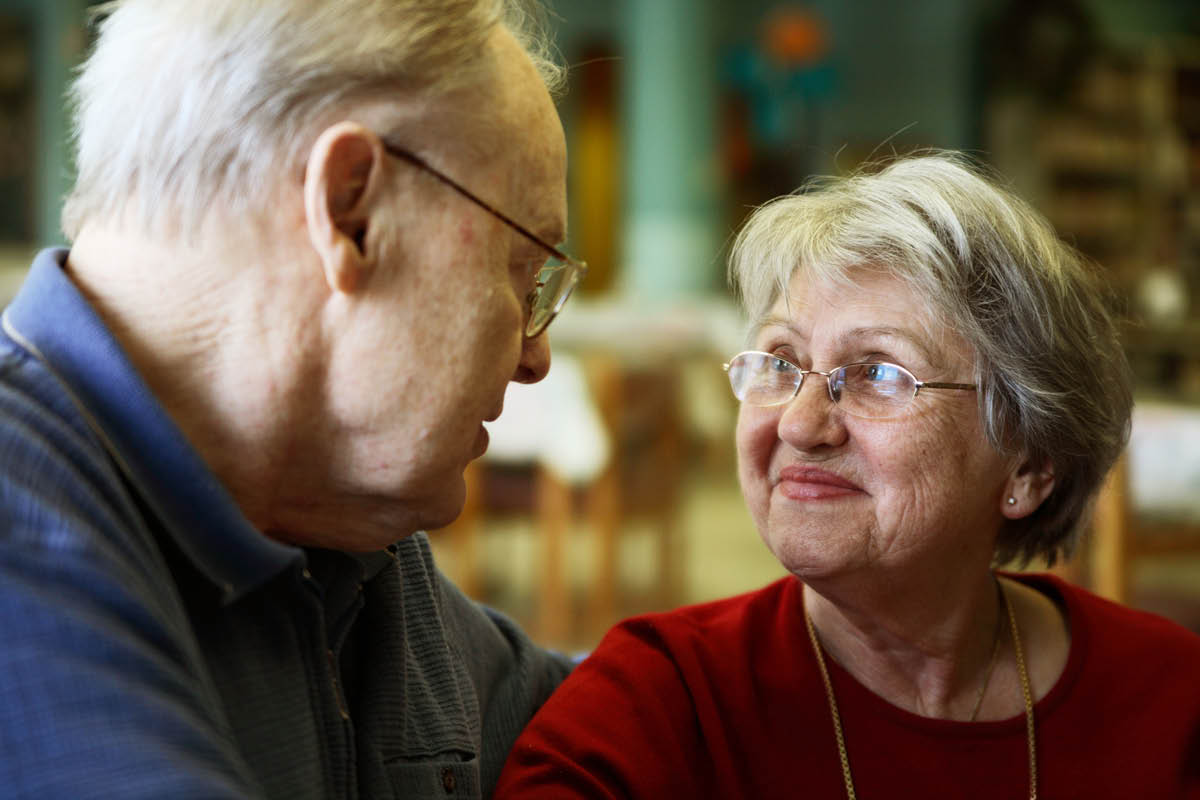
873, 308
864, 300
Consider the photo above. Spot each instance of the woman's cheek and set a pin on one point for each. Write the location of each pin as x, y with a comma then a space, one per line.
756, 441
756, 436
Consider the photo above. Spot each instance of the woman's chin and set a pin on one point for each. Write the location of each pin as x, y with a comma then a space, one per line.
803, 557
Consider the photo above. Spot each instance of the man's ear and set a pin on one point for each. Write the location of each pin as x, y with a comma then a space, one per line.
343, 169
1027, 487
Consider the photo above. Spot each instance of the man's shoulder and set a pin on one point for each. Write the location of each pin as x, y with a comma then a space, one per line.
100, 680
34, 402
42, 422
482, 638
58, 486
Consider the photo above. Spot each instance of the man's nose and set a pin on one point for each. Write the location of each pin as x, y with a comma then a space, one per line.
535, 359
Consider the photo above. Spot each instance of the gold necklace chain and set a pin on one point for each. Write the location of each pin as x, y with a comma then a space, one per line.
1027, 696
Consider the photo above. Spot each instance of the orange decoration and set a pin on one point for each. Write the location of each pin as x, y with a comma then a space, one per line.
795, 36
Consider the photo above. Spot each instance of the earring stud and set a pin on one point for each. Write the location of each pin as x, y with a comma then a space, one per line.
1012, 501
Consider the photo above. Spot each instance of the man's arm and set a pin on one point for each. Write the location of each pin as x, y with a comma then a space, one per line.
101, 690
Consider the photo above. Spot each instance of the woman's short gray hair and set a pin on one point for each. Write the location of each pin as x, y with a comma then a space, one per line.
1054, 382
184, 106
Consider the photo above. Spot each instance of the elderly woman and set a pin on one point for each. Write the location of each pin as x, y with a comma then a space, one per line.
935, 387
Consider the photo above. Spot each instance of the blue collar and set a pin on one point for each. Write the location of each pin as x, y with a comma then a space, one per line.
51, 319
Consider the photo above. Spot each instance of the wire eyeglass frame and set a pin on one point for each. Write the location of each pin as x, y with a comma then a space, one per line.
563, 278
889, 405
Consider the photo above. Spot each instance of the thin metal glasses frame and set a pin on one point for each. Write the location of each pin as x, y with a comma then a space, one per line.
828, 376
579, 268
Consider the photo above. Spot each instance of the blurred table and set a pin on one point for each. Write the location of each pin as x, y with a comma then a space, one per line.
603, 440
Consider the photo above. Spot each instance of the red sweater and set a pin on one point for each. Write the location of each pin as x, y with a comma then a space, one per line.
724, 700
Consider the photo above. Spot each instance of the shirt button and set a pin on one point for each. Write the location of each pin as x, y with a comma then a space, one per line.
448, 780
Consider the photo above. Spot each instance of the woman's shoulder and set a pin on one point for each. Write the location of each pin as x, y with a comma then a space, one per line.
777, 603
650, 711
709, 638
1113, 630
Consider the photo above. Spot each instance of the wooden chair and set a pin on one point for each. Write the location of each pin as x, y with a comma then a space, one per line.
640, 406
1121, 537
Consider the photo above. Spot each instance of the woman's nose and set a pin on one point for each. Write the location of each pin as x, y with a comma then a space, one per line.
811, 418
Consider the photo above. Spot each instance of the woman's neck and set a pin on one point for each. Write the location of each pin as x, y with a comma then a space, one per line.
926, 647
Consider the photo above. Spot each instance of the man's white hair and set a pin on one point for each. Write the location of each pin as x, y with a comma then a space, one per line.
188, 105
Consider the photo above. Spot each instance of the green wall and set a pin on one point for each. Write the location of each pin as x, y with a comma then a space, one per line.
59, 41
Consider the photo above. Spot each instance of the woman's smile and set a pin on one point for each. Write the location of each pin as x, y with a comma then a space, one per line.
799, 482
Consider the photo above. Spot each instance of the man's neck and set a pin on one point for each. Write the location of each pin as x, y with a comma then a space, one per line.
206, 362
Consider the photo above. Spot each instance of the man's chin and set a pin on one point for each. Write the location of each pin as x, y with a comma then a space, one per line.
366, 524
445, 507
480, 445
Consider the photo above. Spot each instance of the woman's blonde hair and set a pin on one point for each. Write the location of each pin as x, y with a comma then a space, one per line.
1054, 383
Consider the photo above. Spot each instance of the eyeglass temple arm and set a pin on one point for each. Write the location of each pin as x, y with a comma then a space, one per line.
416, 160
936, 385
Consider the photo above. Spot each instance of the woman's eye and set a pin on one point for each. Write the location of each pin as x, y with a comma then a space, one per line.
783, 358
780, 351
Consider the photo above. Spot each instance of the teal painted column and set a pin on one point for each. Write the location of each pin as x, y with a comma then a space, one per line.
672, 236
61, 40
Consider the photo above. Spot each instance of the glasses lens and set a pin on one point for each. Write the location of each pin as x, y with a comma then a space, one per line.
873, 390
761, 379
555, 282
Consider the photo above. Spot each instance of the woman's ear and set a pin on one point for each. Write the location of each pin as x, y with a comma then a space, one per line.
1027, 488
343, 168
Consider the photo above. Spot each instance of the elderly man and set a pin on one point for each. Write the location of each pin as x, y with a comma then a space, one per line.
311, 247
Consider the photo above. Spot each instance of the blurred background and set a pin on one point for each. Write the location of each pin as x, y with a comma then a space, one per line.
610, 488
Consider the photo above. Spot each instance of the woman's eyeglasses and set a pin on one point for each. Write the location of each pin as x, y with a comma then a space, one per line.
872, 390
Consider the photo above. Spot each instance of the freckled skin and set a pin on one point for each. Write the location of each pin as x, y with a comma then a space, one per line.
466, 234
930, 482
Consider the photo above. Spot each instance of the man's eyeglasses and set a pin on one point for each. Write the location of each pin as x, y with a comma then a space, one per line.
873, 391
554, 282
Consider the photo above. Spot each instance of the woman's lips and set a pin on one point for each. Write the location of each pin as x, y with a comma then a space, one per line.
811, 483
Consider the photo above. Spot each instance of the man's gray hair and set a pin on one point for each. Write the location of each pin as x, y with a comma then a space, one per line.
187, 105
1054, 381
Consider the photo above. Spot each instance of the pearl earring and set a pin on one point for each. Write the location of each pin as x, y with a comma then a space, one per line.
1012, 501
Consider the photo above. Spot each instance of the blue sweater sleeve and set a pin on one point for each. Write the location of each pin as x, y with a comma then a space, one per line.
102, 690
